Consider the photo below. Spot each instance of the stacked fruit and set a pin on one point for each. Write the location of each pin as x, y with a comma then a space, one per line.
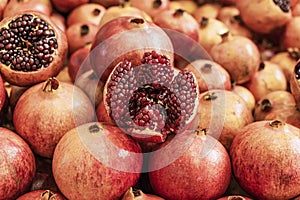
149, 99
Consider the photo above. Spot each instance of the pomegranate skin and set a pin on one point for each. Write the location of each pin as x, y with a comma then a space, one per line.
17, 165
63, 109
3, 94
94, 174
67, 5
193, 175
290, 37
41, 195
260, 164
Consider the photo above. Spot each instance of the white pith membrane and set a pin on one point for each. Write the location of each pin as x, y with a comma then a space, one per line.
152, 100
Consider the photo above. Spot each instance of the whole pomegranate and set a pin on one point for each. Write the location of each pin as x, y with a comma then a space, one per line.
150, 101
109, 164
242, 63
41, 195
268, 78
225, 113
32, 48
17, 165
201, 172
265, 159
209, 74
135, 35
272, 14
64, 107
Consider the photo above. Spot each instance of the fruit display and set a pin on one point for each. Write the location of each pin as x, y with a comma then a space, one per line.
149, 99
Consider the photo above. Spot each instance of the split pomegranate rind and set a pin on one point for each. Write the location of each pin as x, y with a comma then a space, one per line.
32, 49
152, 100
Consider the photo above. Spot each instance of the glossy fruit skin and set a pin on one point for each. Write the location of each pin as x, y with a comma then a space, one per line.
17, 163
88, 177
63, 109
259, 163
41, 195
193, 175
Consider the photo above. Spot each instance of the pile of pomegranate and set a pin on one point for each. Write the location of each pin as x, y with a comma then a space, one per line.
149, 99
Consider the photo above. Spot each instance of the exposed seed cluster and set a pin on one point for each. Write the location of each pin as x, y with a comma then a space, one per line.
27, 44
151, 95
284, 5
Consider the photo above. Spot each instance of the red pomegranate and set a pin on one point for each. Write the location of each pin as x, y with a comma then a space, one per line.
150, 101
210, 31
290, 37
136, 194
17, 163
272, 101
109, 164
41, 195
64, 107
268, 78
210, 75
80, 35
245, 94
259, 163
201, 171
151, 7
241, 64
86, 13
35, 53
225, 113
67, 5
127, 38
16, 6
272, 14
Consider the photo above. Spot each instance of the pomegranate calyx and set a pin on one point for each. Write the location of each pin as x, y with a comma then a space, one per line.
178, 13
96, 12
210, 97
225, 36
261, 66
200, 132
266, 105
84, 30
204, 21
50, 85
294, 53
207, 68
276, 123
94, 128
236, 198
156, 4
48, 195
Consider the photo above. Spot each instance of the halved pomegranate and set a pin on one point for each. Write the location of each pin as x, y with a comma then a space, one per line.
32, 48
149, 101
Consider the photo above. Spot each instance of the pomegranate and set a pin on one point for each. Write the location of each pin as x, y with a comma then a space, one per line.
105, 169
16, 6
150, 101
136, 194
33, 54
187, 5
91, 85
210, 75
64, 107
178, 20
245, 94
151, 7
67, 5
268, 78
41, 195
86, 13
108, 3
210, 32
241, 64
208, 10
17, 165
259, 163
286, 60
80, 34
272, 14
213, 111
143, 36
58, 20
122, 11
234, 197
273, 101
78, 62
290, 37
230, 16
201, 172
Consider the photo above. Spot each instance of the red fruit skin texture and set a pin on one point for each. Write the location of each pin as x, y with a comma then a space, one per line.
17, 165
40, 195
3, 94
67, 5
85, 177
192, 176
266, 160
